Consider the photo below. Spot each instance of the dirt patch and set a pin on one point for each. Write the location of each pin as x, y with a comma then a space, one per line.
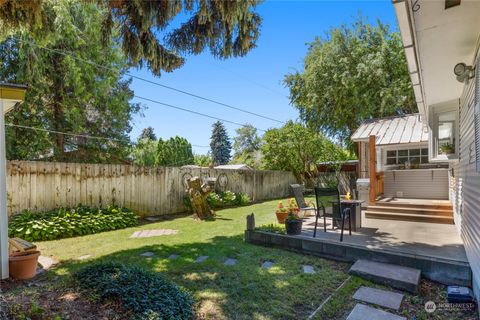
41, 299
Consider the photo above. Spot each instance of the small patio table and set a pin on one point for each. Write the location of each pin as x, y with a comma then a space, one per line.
356, 211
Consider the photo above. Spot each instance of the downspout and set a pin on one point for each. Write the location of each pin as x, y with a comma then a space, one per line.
3, 198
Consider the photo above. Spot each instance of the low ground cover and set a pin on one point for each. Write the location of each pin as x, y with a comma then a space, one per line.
69, 222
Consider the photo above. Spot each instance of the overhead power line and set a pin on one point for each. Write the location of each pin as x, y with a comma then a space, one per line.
65, 53
194, 112
80, 135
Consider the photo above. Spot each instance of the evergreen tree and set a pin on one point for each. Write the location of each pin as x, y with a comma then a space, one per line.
174, 152
69, 95
220, 144
147, 133
227, 28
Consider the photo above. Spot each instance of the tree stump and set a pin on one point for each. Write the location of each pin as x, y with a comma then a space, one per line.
198, 192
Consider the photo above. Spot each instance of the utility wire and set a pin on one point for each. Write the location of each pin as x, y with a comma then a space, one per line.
79, 135
65, 53
194, 112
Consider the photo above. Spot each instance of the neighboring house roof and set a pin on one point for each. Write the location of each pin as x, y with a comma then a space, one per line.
234, 167
393, 130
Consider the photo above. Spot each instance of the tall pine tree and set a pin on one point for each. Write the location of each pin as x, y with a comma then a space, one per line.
146, 33
220, 144
67, 94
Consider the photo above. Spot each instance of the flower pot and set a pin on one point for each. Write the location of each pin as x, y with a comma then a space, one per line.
281, 216
293, 227
23, 265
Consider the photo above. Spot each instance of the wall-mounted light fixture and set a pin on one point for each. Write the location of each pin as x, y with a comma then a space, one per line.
463, 72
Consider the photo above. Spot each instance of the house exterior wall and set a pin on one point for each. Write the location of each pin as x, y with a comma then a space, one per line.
417, 184
465, 185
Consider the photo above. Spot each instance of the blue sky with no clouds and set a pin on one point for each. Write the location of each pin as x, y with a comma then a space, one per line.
253, 82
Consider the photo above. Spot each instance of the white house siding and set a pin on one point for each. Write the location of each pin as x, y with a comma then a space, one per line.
417, 183
465, 185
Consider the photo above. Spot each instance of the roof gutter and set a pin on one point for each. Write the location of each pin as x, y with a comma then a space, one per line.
404, 10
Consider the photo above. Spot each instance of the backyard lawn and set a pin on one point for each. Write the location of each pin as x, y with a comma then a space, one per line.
241, 291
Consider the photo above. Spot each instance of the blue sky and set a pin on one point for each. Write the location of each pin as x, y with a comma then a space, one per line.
253, 82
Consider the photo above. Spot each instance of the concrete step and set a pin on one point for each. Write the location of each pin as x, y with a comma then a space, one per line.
409, 217
392, 275
412, 210
363, 312
414, 205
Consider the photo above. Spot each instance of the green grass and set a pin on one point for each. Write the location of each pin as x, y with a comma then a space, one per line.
243, 291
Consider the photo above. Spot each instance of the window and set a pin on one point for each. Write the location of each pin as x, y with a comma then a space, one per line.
444, 131
414, 156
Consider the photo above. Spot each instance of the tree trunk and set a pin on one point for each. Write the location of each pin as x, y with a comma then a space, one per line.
198, 193
58, 114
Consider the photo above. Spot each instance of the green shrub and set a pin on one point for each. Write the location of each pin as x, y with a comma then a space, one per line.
146, 294
273, 228
222, 199
69, 222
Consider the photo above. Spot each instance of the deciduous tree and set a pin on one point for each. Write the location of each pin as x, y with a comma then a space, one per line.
298, 149
246, 146
356, 72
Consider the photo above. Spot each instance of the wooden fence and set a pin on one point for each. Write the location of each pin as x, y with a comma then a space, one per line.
43, 186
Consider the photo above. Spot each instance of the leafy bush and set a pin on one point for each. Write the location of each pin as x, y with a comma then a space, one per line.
273, 228
222, 199
148, 295
66, 222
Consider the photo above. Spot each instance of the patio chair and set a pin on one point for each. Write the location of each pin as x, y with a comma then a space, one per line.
334, 209
297, 191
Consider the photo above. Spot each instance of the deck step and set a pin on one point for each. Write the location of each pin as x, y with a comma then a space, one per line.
392, 275
414, 210
414, 205
409, 217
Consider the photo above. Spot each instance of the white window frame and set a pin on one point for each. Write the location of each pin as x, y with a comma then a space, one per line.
433, 152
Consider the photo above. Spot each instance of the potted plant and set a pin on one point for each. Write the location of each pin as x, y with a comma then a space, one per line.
23, 265
281, 212
293, 224
447, 148
292, 207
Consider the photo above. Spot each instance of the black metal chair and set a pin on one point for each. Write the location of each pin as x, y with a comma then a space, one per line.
297, 191
337, 213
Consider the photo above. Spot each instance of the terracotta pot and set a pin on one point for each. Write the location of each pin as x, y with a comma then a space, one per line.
281, 216
23, 265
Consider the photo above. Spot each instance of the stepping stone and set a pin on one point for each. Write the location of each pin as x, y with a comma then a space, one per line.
201, 259
230, 262
46, 262
85, 257
153, 233
173, 256
308, 269
267, 265
152, 218
398, 277
148, 254
379, 297
363, 312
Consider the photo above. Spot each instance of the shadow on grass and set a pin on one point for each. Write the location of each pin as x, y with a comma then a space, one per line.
241, 291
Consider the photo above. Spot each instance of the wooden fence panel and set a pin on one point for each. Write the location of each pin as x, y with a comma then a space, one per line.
40, 186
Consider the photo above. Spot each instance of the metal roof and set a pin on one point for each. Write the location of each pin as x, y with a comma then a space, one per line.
393, 130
